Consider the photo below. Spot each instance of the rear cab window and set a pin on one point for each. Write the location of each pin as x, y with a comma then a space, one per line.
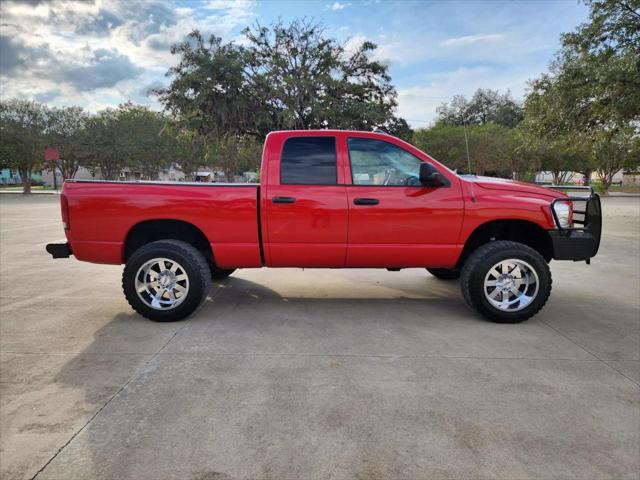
309, 161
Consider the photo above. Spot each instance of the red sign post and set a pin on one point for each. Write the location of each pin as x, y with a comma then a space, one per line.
51, 154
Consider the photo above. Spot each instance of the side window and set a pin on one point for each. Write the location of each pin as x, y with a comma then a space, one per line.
309, 161
376, 162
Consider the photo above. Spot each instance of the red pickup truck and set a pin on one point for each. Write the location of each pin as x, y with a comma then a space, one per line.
332, 199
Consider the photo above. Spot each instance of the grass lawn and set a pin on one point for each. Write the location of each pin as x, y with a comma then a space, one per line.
19, 187
625, 188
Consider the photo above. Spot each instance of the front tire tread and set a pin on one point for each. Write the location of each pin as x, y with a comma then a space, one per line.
490, 252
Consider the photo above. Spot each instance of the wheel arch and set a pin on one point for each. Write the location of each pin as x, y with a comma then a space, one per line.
149, 231
523, 231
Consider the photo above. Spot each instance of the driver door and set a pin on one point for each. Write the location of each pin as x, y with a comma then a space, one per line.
395, 221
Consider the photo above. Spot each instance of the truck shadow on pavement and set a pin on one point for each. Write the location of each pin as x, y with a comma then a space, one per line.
239, 317
241, 380
371, 296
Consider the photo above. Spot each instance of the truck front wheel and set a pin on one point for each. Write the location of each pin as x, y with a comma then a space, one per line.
166, 280
507, 282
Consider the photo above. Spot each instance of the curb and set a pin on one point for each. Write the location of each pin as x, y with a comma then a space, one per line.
46, 192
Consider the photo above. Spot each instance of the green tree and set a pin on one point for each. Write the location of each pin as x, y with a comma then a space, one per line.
486, 106
233, 154
286, 77
492, 148
600, 62
23, 137
589, 102
143, 142
104, 146
547, 134
306, 80
621, 151
129, 136
486, 125
209, 92
188, 148
67, 130
445, 143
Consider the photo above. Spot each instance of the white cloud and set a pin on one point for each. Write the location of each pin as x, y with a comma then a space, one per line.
353, 43
388, 51
103, 52
335, 6
424, 91
470, 40
418, 103
228, 4
402, 48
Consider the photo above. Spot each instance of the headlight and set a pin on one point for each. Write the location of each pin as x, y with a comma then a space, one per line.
563, 212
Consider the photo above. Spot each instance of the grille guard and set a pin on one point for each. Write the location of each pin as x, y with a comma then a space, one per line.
591, 216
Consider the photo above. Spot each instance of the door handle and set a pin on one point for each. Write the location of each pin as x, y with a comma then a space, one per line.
366, 201
283, 200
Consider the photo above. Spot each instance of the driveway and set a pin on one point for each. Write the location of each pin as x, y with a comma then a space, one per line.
315, 374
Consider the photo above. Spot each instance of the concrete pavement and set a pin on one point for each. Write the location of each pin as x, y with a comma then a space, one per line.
315, 374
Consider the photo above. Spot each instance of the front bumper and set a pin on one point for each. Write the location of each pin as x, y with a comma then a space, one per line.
583, 242
59, 250
576, 245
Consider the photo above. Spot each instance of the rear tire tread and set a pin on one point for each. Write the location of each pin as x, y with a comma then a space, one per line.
193, 256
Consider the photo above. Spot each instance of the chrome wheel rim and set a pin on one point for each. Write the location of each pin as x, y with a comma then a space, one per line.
511, 285
162, 283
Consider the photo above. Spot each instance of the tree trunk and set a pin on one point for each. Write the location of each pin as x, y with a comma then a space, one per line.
607, 179
108, 173
586, 181
68, 170
564, 177
25, 176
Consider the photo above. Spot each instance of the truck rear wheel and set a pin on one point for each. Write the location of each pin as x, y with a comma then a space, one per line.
507, 282
166, 280
445, 273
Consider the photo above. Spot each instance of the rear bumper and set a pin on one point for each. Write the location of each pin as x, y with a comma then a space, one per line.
59, 250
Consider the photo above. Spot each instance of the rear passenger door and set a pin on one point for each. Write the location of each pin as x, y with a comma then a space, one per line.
305, 203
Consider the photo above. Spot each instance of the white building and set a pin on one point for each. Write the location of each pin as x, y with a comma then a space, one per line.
575, 178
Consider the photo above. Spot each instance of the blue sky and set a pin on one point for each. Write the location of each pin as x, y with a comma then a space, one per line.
99, 53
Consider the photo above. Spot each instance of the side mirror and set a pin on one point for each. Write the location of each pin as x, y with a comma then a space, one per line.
430, 177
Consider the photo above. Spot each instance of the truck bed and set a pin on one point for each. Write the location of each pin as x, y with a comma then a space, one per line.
102, 213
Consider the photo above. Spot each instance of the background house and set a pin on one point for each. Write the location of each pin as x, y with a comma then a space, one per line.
9, 176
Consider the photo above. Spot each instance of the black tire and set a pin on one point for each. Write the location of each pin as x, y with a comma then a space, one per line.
221, 273
483, 259
192, 262
445, 273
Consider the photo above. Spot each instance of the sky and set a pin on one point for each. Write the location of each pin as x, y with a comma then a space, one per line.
101, 53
